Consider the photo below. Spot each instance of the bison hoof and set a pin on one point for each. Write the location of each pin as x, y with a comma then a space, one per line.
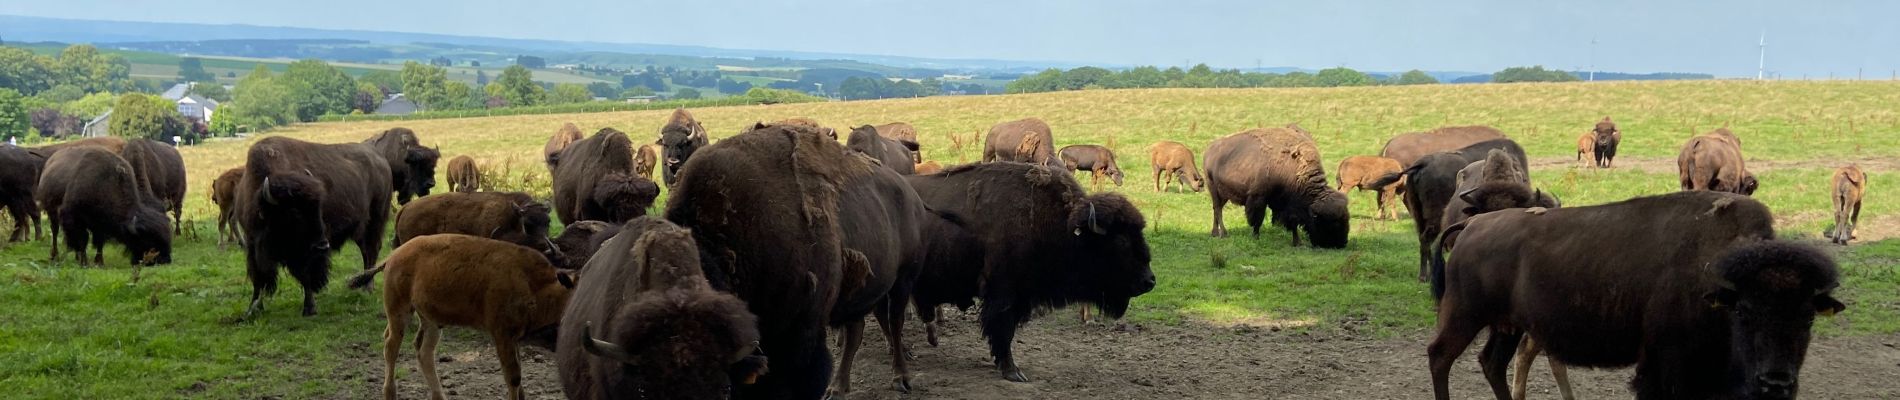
902, 384
1015, 375
833, 393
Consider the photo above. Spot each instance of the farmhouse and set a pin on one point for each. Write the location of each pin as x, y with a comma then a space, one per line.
397, 104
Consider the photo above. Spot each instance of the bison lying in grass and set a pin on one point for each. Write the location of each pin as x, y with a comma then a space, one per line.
508, 292
93, 194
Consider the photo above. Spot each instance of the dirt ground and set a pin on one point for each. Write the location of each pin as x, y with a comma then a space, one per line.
1066, 359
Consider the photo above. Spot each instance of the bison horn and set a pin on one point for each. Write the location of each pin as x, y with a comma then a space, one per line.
1466, 196
266, 192
1093, 226
601, 347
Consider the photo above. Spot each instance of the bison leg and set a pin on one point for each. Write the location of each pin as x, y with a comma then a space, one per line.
55, 219
1562, 377
1526, 355
1455, 333
1158, 178
509, 354
1000, 326
927, 314
1220, 225
852, 338
99, 249
891, 318
425, 356
1256, 209
1496, 358
1386, 197
392, 346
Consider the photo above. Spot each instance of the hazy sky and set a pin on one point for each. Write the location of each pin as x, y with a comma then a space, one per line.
1804, 37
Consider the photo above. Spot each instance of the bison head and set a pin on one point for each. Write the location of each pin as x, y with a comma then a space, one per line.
1771, 291
1327, 220
148, 238
1747, 186
419, 162
1193, 180
290, 207
624, 196
578, 241
1498, 195
1113, 250
678, 338
677, 143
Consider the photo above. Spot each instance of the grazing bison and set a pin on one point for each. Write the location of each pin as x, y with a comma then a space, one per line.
1432, 181
1587, 147
679, 139
1607, 137
1849, 184
111, 143
411, 166
893, 154
927, 168
578, 242
1026, 140
1361, 171
1408, 148
508, 292
512, 217
1097, 160
645, 158
1174, 162
464, 176
774, 241
1278, 169
161, 172
646, 324
296, 199
882, 218
1713, 161
1698, 295
595, 181
803, 123
224, 194
91, 193
903, 133
1027, 239
551, 152
19, 177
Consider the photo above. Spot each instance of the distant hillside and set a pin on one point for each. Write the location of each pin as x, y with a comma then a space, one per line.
1603, 76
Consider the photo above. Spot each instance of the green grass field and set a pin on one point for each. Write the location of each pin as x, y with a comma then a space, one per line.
89, 333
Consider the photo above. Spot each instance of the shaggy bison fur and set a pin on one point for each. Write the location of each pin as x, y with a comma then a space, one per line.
296, 199
595, 181
91, 193
1278, 169
411, 166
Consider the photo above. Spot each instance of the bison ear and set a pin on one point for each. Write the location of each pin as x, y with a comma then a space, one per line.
1827, 306
1722, 298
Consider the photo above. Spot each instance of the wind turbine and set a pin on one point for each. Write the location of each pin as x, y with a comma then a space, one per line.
1761, 63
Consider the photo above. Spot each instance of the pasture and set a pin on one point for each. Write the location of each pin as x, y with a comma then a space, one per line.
1313, 323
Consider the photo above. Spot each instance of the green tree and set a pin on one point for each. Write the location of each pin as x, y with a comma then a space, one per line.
368, 97
23, 71
61, 93
260, 101
211, 90
459, 95
223, 122
1048, 80
14, 119
1082, 77
192, 69
428, 85
84, 66
570, 93
1416, 77
145, 116
90, 106
602, 89
1531, 74
318, 88
1342, 76
389, 82
636, 91
516, 84
686, 94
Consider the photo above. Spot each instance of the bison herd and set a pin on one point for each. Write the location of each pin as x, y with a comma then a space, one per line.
775, 237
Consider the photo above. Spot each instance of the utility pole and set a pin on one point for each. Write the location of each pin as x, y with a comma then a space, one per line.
1761, 63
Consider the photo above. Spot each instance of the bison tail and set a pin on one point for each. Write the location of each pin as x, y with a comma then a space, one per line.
363, 280
1393, 177
1445, 240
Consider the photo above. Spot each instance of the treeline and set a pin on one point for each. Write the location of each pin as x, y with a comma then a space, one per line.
53, 96
756, 96
1200, 76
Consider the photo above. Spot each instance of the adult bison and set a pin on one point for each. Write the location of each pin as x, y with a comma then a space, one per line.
892, 153
679, 139
1605, 138
1098, 160
1174, 162
595, 181
111, 143
1713, 161
1361, 171
1850, 183
1409, 147
1278, 169
580, 240
645, 323
1432, 181
1493, 184
1026, 140
551, 152
91, 193
1698, 296
19, 176
161, 172
411, 166
512, 217
1027, 239
464, 176
903, 133
224, 195
882, 219
296, 199
773, 241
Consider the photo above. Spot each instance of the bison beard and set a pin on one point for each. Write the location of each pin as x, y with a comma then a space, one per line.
1044, 244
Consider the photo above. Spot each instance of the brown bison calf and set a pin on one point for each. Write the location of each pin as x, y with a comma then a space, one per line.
1097, 160
1849, 184
1587, 146
1174, 162
224, 194
1362, 171
1713, 161
645, 158
1026, 140
464, 176
928, 167
551, 152
509, 292
512, 217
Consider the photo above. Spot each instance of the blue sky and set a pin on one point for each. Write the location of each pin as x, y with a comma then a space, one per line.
1811, 38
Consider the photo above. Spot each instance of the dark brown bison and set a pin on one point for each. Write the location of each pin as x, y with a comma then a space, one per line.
903, 133
928, 167
1361, 171
773, 241
296, 199
646, 324
224, 195
645, 158
551, 152
882, 218
1026, 140
93, 194
1849, 184
512, 217
679, 139
1099, 161
1432, 181
578, 242
1604, 141
1027, 239
1174, 162
595, 181
161, 172
508, 292
1492, 184
893, 154
411, 166
19, 177
804, 123
1709, 305
1408, 148
464, 176
1278, 169
1713, 161
111, 143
